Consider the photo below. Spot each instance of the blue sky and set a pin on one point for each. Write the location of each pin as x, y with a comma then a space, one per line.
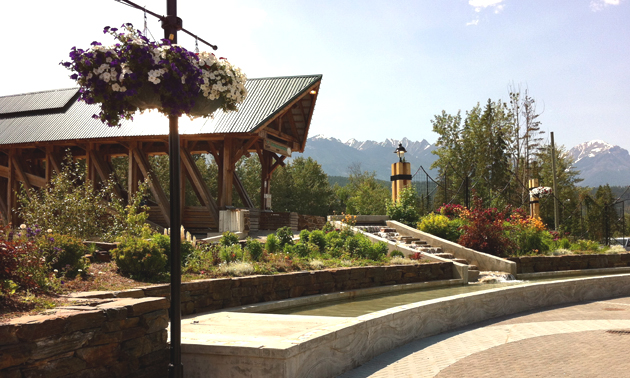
389, 66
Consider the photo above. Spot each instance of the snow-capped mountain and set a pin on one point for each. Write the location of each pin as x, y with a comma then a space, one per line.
598, 162
336, 156
601, 163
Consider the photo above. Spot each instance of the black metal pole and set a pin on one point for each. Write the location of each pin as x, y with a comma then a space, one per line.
176, 370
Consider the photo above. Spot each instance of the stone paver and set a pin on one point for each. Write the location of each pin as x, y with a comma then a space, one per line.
561, 341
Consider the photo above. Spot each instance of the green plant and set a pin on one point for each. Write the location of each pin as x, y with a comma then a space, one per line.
139, 257
23, 265
396, 253
64, 253
70, 205
272, 245
231, 253
228, 238
301, 249
203, 258
334, 240
440, 226
405, 209
285, 235
319, 239
254, 248
304, 235
164, 242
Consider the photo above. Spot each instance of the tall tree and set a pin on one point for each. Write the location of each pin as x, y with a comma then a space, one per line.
479, 149
301, 186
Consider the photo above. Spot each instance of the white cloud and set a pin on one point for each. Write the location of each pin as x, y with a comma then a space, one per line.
479, 5
597, 5
473, 22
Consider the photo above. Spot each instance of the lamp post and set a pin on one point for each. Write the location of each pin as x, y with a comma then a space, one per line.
401, 173
171, 24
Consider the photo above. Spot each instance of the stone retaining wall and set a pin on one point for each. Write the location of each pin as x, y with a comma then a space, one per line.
536, 264
105, 338
310, 222
215, 294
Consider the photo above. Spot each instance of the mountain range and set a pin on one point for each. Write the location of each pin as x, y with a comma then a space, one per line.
598, 162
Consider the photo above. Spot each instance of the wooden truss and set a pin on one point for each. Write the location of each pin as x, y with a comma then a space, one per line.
32, 165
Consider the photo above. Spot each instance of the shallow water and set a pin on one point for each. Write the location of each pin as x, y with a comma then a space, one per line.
372, 303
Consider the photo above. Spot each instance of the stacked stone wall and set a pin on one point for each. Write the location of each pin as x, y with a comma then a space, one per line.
215, 294
536, 264
310, 222
107, 338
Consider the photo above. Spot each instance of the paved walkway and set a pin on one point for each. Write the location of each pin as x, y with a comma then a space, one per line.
590, 339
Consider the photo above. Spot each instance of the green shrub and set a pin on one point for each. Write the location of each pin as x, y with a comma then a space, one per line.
377, 251
254, 248
304, 234
352, 245
319, 239
396, 253
139, 257
272, 245
285, 235
231, 253
301, 249
22, 263
203, 258
164, 242
333, 240
228, 238
404, 210
64, 253
440, 226
70, 205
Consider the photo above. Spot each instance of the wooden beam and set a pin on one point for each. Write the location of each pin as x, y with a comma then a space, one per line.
12, 188
53, 164
246, 146
3, 211
104, 171
200, 187
19, 170
240, 189
133, 173
280, 134
289, 114
227, 173
154, 184
279, 162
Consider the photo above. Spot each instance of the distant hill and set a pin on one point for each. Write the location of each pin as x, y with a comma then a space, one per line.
598, 162
336, 156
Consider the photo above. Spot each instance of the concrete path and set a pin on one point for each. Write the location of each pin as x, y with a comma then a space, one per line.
590, 339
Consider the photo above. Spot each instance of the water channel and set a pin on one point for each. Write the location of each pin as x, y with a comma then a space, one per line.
364, 305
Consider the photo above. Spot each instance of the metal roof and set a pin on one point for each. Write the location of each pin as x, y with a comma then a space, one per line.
36, 117
47, 100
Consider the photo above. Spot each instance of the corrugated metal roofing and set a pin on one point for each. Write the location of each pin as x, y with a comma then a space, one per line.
47, 100
266, 97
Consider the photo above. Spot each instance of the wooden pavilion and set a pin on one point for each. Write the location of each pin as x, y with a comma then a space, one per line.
37, 128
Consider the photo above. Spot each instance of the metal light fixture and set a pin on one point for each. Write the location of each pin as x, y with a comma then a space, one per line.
400, 151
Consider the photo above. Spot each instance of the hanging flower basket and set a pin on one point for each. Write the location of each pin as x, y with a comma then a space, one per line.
136, 74
540, 192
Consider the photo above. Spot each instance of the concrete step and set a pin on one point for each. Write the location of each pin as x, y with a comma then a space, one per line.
461, 261
472, 267
473, 275
420, 242
444, 255
388, 229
